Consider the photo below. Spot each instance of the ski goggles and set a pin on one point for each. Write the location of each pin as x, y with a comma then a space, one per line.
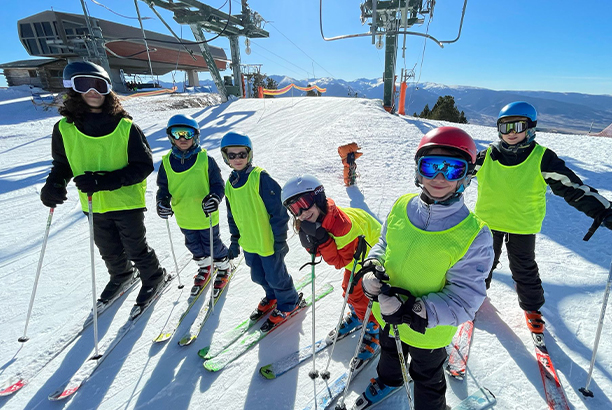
516, 126
84, 83
239, 155
453, 169
302, 203
184, 132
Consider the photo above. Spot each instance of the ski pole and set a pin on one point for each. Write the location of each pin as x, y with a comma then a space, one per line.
487, 393
585, 390
25, 338
402, 359
93, 277
212, 261
313, 374
355, 360
180, 285
359, 253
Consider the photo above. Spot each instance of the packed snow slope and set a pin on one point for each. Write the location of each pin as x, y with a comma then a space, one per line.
290, 136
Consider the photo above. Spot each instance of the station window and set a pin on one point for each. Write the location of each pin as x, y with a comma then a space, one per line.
26, 30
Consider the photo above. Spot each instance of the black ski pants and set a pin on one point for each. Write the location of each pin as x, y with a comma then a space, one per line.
120, 238
426, 369
521, 256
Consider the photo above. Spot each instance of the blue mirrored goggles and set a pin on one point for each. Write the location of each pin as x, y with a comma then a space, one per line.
184, 132
516, 126
453, 169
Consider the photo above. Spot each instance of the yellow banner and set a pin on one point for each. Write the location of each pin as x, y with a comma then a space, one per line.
287, 88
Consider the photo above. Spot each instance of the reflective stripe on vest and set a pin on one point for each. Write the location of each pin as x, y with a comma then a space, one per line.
106, 153
362, 223
188, 188
512, 198
251, 216
418, 260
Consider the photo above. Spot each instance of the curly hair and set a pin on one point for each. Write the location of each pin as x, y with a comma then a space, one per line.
75, 108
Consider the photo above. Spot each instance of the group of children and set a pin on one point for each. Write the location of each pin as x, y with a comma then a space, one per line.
436, 254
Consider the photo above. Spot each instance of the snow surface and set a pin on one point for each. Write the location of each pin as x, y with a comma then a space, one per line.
290, 136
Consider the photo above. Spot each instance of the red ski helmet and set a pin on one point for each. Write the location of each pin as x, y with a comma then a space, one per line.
449, 137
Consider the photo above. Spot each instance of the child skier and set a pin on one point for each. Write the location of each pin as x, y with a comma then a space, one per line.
512, 178
332, 232
109, 157
349, 154
258, 224
190, 186
437, 253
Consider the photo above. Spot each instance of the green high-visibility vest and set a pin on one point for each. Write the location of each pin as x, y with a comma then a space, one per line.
188, 188
105, 153
362, 223
417, 260
251, 216
512, 198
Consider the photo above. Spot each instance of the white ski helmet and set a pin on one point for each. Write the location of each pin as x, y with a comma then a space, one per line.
300, 185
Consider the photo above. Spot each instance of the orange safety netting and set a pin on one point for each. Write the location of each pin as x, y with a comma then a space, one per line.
288, 87
146, 93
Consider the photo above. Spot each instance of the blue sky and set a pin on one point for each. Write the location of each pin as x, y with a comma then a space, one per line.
517, 45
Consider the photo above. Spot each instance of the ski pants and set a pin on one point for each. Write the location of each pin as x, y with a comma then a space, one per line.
271, 273
198, 243
120, 238
426, 369
521, 257
357, 299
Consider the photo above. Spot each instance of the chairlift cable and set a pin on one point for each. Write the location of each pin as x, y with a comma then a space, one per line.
120, 15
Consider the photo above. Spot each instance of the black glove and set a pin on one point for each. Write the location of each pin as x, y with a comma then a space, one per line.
280, 247
396, 312
92, 182
210, 204
233, 251
164, 209
312, 234
53, 194
607, 221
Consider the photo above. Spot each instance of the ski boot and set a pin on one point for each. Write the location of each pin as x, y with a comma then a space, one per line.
265, 306
117, 285
370, 346
223, 267
349, 322
277, 317
376, 392
200, 280
535, 323
148, 294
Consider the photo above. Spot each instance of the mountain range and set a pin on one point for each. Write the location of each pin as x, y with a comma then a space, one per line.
557, 112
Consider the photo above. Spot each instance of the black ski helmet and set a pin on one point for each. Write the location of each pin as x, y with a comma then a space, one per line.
84, 68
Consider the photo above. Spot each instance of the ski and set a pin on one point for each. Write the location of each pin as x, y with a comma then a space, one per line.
16, 382
232, 335
459, 350
333, 390
282, 366
218, 288
174, 322
249, 340
105, 348
555, 395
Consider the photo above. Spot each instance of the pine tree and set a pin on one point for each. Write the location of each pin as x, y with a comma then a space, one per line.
444, 109
271, 84
425, 113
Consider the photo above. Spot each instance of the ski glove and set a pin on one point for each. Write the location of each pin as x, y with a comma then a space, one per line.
53, 194
92, 182
164, 209
312, 234
281, 248
607, 221
412, 311
373, 275
210, 204
233, 251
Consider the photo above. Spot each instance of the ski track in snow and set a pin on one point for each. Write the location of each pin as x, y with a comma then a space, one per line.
290, 136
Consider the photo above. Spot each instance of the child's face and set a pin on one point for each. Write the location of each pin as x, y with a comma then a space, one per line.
183, 144
241, 157
94, 100
311, 214
513, 138
439, 187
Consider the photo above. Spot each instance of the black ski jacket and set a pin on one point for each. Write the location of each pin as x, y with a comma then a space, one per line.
561, 180
140, 158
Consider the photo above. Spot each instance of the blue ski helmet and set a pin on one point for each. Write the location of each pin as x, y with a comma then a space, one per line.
181, 120
233, 139
521, 109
